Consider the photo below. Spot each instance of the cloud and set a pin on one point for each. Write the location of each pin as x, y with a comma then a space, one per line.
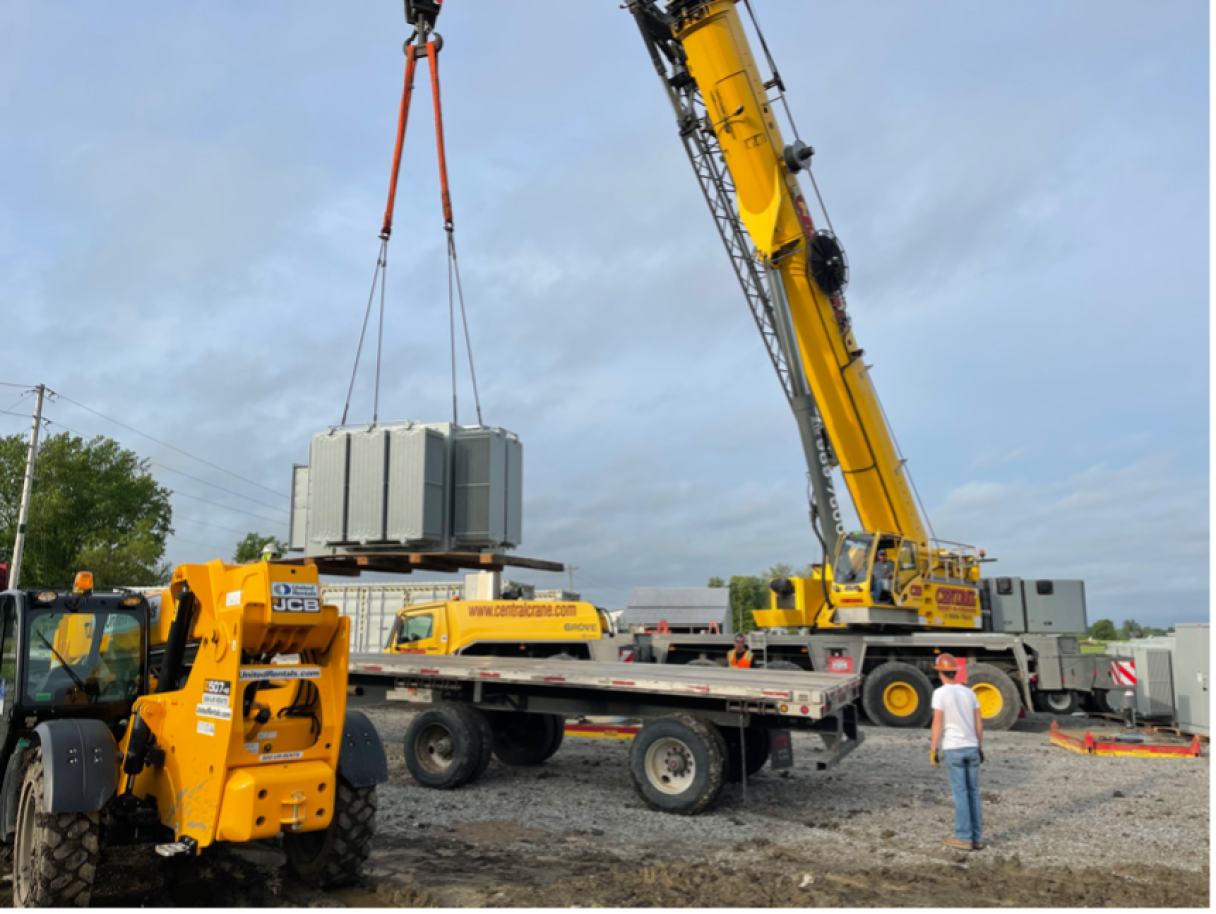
189, 203
1137, 534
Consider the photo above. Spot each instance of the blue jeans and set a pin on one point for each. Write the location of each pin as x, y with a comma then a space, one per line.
963, 766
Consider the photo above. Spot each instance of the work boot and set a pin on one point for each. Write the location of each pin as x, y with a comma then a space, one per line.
957, 844
977, 845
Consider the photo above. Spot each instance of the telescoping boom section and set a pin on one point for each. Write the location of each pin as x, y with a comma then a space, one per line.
892, 572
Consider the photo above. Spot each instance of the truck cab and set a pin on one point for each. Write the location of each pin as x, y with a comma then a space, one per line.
511, 628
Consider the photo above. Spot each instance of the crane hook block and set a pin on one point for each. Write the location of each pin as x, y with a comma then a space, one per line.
421, 14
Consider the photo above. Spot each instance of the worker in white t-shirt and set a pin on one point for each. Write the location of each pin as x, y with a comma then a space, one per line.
958, 728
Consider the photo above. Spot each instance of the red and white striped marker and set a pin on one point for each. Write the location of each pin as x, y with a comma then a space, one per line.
1123, 672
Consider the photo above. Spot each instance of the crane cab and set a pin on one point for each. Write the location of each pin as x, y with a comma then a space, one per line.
885, 578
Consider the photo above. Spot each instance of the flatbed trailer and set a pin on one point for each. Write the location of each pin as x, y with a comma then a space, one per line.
704, 725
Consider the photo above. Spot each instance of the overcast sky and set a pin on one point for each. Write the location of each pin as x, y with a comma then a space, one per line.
190, 196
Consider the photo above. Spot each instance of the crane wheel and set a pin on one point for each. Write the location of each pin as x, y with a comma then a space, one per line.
1063, 702
997, 693
333, 857
444, 746
678, 764
54, 856
897, 695
526, 739
756, 743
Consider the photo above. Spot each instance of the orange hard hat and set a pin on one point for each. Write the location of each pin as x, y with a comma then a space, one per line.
946, 663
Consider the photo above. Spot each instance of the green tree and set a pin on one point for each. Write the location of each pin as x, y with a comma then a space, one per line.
747, 592
95, 507
716, 582
1130, 629
250, 549
1103, 630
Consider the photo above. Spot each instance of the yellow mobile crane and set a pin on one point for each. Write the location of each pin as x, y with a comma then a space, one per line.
892, 573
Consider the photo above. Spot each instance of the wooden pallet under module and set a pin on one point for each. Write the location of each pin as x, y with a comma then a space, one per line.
354, 564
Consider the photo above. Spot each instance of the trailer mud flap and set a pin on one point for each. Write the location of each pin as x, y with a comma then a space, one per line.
843, 739
78, 758
362, 761
781, 749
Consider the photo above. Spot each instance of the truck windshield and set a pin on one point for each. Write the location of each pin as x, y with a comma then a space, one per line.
415, 628
854, 559
83, 658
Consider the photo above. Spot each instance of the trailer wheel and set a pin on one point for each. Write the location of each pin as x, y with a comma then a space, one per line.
755, 741
54, 856
486, 732
526, 739
443, 746
1057, 702
898, 695
678, 764
333, 857
998, 695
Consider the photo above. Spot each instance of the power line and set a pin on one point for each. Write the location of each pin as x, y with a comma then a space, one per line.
171, 447
195, 520
188, 476
221, 488
215, 504
8, 384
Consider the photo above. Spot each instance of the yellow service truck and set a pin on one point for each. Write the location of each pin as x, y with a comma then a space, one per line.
557, 629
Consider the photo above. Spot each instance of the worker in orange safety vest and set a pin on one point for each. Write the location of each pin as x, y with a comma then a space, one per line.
740, 657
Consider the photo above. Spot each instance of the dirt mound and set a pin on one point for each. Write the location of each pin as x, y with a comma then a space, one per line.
979, 884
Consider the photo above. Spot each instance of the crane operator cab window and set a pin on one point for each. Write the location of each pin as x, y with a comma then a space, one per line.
83, 658
853, 561
415, 628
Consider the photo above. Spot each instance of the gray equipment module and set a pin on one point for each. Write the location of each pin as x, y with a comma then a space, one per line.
1042, 607
1192, 655
407, 486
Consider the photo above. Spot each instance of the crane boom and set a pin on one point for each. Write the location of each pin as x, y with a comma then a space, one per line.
803, 317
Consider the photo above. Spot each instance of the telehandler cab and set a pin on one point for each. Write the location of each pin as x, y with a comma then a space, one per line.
211, 711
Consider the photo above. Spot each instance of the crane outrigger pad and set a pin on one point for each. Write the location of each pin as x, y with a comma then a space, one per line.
1115, 741
354, 564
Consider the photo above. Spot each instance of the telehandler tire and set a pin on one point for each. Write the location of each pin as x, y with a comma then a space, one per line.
526, 739
443, 746
998, 695
334, 857
678, 764
897, 695
54, 856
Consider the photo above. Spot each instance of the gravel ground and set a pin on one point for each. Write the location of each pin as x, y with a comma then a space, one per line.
1063, 830
1124, 830
1043, 804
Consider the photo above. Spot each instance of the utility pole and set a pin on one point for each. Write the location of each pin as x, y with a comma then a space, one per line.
23, 514
570, 570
